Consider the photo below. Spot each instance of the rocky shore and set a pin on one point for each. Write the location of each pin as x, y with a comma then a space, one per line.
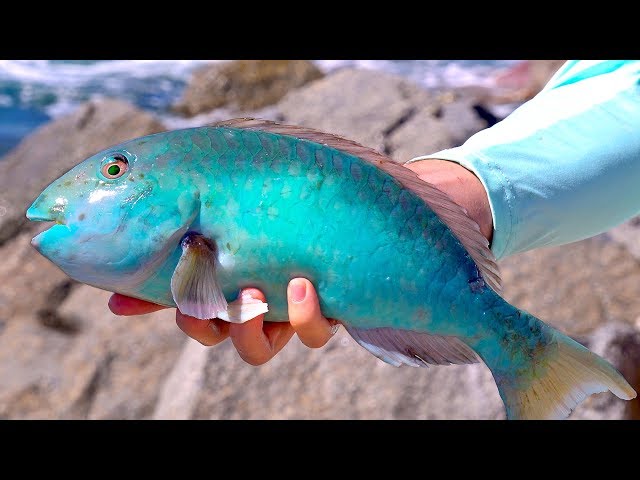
64, 355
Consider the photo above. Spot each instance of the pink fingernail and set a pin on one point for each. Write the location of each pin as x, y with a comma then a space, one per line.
297, 290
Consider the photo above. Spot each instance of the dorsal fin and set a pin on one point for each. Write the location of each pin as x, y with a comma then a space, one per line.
452, 214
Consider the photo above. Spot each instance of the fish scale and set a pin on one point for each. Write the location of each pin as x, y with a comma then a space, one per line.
362, 239
191, 216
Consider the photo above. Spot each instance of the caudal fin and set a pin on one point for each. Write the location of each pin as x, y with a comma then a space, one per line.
559, 376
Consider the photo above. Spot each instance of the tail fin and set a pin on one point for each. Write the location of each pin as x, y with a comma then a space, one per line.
555, 378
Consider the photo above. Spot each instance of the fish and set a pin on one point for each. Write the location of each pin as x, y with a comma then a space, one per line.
187, 218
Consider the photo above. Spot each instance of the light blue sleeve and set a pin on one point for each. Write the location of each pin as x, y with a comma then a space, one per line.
565, 165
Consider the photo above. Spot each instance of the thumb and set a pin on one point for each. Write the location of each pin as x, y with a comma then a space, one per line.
305, 316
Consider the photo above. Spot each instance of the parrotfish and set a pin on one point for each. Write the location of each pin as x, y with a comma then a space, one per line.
186, 218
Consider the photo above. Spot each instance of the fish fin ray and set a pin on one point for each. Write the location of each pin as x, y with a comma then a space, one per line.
453, 215
242, 309
194, 283
406, 347
562, 374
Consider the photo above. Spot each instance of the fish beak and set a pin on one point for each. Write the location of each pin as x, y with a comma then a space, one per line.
43, 209
36, 214
40, 211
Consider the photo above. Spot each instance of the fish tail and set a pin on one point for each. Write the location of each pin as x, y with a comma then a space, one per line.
543, 374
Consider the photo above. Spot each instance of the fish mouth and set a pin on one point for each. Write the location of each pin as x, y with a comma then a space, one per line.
52, 230
36, 214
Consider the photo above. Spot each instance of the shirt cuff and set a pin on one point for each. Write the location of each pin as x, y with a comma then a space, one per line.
495, 184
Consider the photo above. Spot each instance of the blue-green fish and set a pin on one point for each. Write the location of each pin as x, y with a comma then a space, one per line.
188, 217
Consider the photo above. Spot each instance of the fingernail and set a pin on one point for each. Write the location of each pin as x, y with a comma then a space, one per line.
334, 329
297, 290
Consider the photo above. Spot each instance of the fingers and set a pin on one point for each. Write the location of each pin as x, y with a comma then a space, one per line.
305, 316
123, 305
207, 332
256, 341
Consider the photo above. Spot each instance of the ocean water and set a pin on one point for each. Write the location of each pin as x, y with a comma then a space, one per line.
33, 92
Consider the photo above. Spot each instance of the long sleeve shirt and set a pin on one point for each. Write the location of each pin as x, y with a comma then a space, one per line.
565, 165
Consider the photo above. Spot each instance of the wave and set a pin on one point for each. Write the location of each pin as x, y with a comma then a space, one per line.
74, 73
56, 87
432, 74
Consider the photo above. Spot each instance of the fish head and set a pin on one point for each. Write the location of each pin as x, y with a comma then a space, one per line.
118, 215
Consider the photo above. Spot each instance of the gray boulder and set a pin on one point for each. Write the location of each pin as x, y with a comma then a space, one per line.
338, 381
576, 287
382, 111
110, 367
428, 131
365, 106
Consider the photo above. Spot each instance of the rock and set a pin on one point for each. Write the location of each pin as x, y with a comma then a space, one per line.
626, 235
427, 132
511, 88
59, 145
382, 111
181, 388
619, 343
523, 81
245, 84
576, 287
28, 279
341, 381
269, 112
113, 368
358, 104
421, 135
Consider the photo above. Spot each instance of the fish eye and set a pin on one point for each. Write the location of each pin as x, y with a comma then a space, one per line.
114, 166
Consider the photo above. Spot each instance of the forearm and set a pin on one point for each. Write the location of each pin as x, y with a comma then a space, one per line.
462, 186
565, 165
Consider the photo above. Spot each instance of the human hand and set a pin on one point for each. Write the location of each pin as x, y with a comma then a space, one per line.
461, 185
256, 341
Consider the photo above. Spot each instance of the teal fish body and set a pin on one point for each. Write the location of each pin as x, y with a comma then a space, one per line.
404, 269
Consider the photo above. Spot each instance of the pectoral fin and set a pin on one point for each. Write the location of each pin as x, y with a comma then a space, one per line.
194, 283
